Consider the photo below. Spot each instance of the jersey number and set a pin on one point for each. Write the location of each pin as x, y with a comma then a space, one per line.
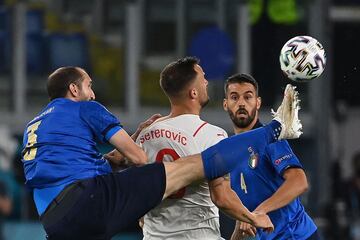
242, 183
30, 150
160, 158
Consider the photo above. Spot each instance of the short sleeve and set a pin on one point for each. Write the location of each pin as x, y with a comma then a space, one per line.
282, 157
103, 123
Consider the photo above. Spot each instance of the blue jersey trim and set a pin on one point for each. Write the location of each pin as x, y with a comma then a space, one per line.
112, 131
44, 196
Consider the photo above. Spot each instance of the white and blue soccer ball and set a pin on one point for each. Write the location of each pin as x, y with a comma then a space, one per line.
302, 58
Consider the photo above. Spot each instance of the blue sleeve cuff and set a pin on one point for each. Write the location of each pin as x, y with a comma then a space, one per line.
112, 131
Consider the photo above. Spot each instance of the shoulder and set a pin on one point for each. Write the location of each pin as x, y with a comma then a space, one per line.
281, 147
92, 111
210, 129
280, 151
284, 144
186, 123
215, 128
91, 104
208, 135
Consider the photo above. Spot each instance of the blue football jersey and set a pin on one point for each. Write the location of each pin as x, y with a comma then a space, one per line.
59, 145
258, 176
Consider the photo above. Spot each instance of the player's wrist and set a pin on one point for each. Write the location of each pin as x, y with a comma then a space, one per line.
252, 219
260, 211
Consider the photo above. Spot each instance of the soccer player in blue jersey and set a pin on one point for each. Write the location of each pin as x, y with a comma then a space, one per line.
270, 180
75, 191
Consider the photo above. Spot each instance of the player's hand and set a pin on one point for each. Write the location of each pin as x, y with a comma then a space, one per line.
262, 220
145, 124
116, 159
247, 230
243, 230
114, 156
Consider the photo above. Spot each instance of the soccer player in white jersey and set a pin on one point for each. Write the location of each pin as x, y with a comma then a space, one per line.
189, 213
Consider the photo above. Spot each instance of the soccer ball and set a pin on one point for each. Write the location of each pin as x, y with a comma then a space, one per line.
302, 58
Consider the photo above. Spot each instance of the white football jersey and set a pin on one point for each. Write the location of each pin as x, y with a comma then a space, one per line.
189, 213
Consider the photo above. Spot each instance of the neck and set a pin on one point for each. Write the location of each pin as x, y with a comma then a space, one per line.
180, 109
71, 97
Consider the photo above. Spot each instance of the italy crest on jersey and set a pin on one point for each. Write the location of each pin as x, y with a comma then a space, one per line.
253, 159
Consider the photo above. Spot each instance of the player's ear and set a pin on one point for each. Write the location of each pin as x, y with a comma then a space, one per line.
225, 104
73, 89
258, 103
193, 93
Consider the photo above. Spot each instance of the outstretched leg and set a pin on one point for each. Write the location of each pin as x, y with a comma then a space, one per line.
221, 158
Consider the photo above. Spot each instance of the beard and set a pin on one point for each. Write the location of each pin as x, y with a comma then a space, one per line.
242, 122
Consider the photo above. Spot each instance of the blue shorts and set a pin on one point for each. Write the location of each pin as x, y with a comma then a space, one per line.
100, 207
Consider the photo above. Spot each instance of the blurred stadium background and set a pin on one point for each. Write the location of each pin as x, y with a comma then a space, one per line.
124, 44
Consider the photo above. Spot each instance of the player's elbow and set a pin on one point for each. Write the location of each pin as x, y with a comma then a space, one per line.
301, 184
221, 204
304, 186
221, 193
220, 201
297, 179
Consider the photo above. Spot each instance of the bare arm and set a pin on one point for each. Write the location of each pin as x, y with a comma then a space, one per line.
117, 158
128, 148
228, 201
294, 185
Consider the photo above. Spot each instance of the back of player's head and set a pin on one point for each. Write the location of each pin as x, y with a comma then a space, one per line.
241, 78
176, 76
59, 81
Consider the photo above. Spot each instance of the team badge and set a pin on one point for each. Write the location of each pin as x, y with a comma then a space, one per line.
253, 159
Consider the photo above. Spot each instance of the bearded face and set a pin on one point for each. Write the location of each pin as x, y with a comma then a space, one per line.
242, 118
242, 104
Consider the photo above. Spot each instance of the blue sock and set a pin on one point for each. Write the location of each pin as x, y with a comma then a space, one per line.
224, 156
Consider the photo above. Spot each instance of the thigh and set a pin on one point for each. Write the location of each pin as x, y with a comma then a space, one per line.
111, 202
134, 192
85, 219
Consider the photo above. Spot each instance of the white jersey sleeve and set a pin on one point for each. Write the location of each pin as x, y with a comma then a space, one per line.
189, 213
